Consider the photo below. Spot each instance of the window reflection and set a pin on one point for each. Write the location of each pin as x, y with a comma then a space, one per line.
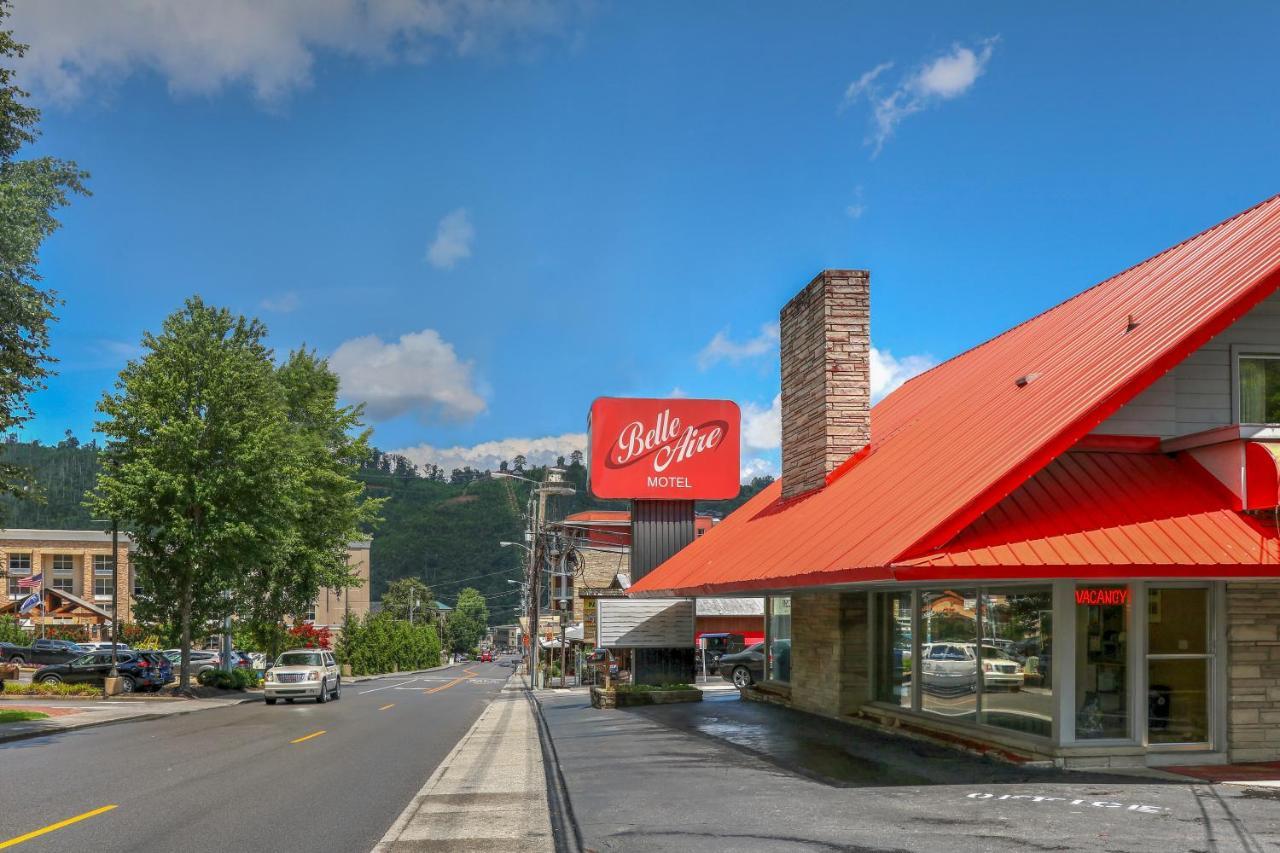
1017, 656
780, 638
893, 681
948, 653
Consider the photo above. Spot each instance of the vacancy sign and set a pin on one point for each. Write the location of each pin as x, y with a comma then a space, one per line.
672, 449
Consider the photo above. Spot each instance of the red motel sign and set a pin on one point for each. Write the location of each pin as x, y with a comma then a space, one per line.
673, 449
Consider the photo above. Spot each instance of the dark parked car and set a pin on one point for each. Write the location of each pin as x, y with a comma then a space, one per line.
145, 671
200, 660
743, 668
41, 652
712, 647
746, 667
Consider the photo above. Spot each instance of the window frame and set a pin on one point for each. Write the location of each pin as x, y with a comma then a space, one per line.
59, 574
1239, 351
103, 570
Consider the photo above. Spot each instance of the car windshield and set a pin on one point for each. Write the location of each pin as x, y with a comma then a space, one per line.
299, 659
84, 660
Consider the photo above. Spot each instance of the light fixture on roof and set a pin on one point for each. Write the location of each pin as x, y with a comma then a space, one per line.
1026, 379
1133, 324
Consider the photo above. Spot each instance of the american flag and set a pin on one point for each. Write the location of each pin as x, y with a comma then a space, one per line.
31, 582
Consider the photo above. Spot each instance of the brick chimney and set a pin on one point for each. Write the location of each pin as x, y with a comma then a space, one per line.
826, 377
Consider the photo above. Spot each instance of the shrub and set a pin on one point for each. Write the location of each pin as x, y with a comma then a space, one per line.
381, 643
649, 688
60, 689
237, 679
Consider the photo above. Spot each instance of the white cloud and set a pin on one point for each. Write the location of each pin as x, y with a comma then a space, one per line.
858, 207
945, 77
677, 393
454, 236
722, 348
285, 303
757, 467
270, 48
487, 455
888, 372
762, 426
419, 373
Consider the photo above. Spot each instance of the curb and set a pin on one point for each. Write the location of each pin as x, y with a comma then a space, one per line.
140, 718
564, 826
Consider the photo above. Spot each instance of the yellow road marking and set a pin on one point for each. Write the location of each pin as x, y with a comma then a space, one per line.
385, 707
14, 842
466, 675
308, 737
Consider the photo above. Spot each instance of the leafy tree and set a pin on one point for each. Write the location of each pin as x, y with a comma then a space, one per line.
192, 466
30, 192
468, 621
404, 591
11, 631
324, 506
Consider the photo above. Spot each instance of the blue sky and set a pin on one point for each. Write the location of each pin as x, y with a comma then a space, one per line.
488, 216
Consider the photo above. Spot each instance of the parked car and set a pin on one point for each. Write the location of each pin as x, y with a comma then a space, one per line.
102, 647
486, 657
41, 652
199, 661
743, 668
952, 668
146, 671
712, 647
303, 674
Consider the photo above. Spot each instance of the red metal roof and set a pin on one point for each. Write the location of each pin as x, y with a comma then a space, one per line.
1116, 510
954, 441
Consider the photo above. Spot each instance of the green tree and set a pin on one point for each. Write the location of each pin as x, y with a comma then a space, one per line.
468, 621
192, 465
11, 632
401, 592
30, 192
324, 504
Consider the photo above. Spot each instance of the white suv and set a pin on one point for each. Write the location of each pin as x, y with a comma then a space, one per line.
303, 674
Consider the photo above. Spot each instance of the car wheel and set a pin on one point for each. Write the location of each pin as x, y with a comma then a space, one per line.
741, 677
18, 659
127, 684
323, 696
337, 690
290, 701
270, 701
50, 679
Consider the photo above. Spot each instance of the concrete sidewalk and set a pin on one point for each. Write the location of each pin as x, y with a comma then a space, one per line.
489, 793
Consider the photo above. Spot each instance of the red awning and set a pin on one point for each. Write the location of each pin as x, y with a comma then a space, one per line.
1092, 514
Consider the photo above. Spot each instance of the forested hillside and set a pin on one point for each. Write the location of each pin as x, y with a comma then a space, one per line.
444, 529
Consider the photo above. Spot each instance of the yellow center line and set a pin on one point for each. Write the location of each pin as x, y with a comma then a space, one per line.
308, 737
385, 707
14, 842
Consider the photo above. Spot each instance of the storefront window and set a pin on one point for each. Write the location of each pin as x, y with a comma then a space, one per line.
1017, 656
780, 638
893, 677
1102, 662
948, 653
1178, 665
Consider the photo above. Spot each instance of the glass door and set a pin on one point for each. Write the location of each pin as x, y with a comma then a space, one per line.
1179, 665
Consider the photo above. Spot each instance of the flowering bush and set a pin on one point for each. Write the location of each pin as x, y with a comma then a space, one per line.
308, 636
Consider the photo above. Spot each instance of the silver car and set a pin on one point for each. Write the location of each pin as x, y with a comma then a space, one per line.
303, 674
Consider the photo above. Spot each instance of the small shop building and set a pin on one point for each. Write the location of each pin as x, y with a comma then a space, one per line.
1059, 545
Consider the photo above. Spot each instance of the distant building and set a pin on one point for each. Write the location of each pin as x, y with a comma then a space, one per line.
72, 576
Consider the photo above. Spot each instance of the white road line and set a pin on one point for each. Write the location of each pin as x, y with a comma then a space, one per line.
389, 686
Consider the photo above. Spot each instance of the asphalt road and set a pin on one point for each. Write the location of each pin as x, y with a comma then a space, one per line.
234, 779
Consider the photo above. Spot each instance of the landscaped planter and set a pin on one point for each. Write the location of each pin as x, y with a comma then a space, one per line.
627, 698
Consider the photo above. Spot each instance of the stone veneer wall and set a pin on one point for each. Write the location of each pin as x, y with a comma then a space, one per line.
829, 663
826, 377
1253, 677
